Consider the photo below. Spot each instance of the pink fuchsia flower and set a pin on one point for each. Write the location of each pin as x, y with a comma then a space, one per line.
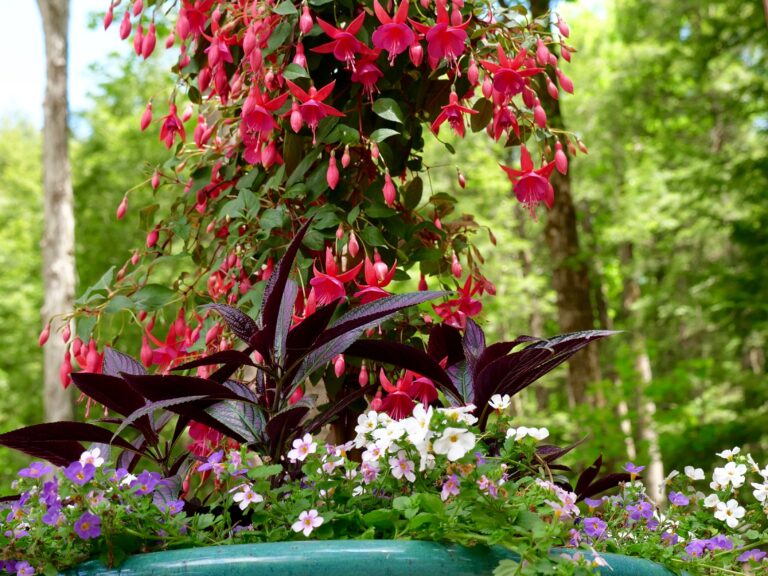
307, 522
329, 285
312, 107
258, 111
452, 112
367, 72
393, 35
88, 526
455, 312
401, 467
450, 487
79, 473
531, 186
172, 126
377, 276
509, 79
443, 39
344, 45
302, 447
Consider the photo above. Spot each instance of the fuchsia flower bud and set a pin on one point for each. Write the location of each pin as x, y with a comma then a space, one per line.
456, 266
92, 357
340, 232
345, 157
125, 26
135, 257
362, 377
296, 119
529, 97
108, 17
65, 370
554, 93
77, 344
204, 79
339, 366
561, 160
299, 58
122, 208
155, 180
583, 147
425, 4
305, 22
148, 44
332, 174
539, 115
66, 334
455, 16
565, 82
375, 151
169, 42
390, 193
138, 7
187, 114
297, 395
487, 87
565, 53
138, 40
146, 117
461, 179
46, 332
152, 237
146, 352
542, 52
353, 246
473, 74
416, 53
423, 284
563, 27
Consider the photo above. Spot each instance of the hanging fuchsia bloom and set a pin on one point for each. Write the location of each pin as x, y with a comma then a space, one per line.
443, 40
377, 276
258, 111
192, 17
171, 126
218, 51
452, 112
532, 186
393, 35
312, 107
508, 77
305, 22
503, 119
344, 45
367, 73
329, 286
456, 311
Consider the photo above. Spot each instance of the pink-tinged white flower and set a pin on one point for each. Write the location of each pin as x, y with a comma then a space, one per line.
302, 447
519, 433
394, 35
246, 496
450, 487
454, 443
329, 466
694, 473
729, 454
92, 457
373, 453
760, 491
729, 512
370, 470
499, 402
460, 414
401, 467
307, 522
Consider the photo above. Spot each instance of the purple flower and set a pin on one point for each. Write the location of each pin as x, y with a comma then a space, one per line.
720, 542
752, 556
670, 538
632, 469
450, 487
678, 499
641, 510
213, 463
53, 515
592, 502
695, 548
172, 507
50, 493
35, 470
88, 526
594, 527
479, 458
23, 568
575, 538
145, 482
80, 473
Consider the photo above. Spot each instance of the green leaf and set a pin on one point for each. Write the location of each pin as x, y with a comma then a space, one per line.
381, 519
373, 236
353, 214
413, 192
272, 218
84, 327
380, 211
294, 71
389, 110
302, 168
285, 8
343, 134
382, 134
480, 120
264, 471
153, 297
279, 36
118, 303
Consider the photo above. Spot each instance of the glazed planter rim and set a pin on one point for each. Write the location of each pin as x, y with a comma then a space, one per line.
339, 558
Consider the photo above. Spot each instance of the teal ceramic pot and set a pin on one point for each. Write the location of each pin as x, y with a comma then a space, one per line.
336, 558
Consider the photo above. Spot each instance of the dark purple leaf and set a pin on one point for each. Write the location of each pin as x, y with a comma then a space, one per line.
245, 419
473, 344
302, 336
551, 453
284, 425
116, 362
239, 323
241, 390
229, 357
496, 351
284, 320
146, 410
167, 490
159, 387
605, 483
404, 356
445, 342
462, 381
336, 408
273, 292
586, 477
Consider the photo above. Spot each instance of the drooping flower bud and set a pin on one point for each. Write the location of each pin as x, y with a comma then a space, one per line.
455, 16
375, 151
146, 117
170, 41
583, 147
122, 208
423, 284
561, 160
345, 159
305, 22
353, 246
340, 232
416, 53
565, 82
487, 87
362, 377
146, 352
438, 224
138, 7
92, 358
339, 366
539, 115
187, 114
529, 97
390, 193
108, 17
297, 395
554, 93
542, 52
138, 39
563, 27
456, 266
204, 79
66, 334
299, 58
65, 370
77, 344
46, 332
380, 269
155, 180
565, 53
148, 44
296, 120
125, 26
135, 257
473, 74
461, 179
152, 237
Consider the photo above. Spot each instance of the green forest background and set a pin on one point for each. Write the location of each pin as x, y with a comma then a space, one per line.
673, 227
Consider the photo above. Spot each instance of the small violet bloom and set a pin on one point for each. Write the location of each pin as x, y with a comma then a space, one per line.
213, 463
678, 499
88, 526
633, 470
594, 527
145, 482
23, 568
173, 507
752, 556
35, 470
80, 473
450, 488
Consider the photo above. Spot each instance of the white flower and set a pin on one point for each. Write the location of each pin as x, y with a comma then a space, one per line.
367, 422
460, 414
247, 496
417, 425
731, 473
373, 452
499, 402
753, 464
729, 454
538, 433
694, 473
401, 466
454, 443
92, 457
358, 490
302, 447
729, 512
308, 521
711, 501
385, 437
128, 479
760, 491
670, 476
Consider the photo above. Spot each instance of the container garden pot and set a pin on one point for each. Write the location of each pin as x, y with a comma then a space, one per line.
337, 558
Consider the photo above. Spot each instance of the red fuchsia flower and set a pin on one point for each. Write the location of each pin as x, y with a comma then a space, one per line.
398, 404
393, 35
344, 45
329, 286
532, 186
202, 132
192, 17
456, 311
508, 77
423, 390
146, 117
312, 107
377, 276
258, 111
367, 72
443, 39
503, 119
172, 126
452, 112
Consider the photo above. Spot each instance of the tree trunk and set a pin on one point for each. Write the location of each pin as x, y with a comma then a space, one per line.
570, 272
59, 224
